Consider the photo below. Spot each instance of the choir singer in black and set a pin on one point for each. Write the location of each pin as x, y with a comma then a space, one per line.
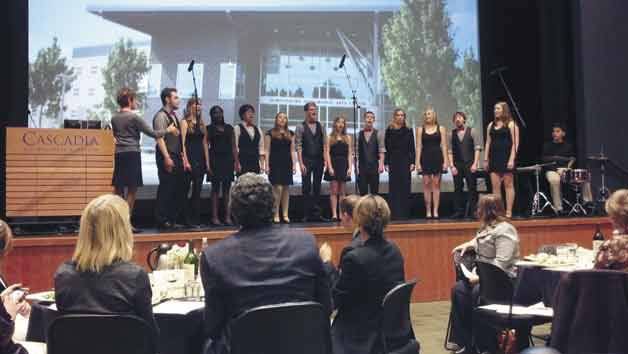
464, 158
371, 150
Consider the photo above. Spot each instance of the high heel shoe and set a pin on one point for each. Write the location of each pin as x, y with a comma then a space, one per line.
286, 220
276, 220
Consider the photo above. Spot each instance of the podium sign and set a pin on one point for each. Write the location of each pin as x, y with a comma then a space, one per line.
56, 172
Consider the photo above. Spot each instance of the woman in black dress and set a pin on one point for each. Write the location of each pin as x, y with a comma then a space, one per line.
431, 147
399, 162
195, 158
279, 143
222, 157
338, 148
502, 143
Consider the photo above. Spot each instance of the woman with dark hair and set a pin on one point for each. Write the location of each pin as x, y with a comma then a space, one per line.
195, 158
222, 162
399, 162
431, 147
496, 242
249, 141
127, 126
338, 148
367, 272
502, 143
281, 164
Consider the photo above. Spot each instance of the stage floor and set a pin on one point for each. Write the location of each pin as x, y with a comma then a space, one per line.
425, 245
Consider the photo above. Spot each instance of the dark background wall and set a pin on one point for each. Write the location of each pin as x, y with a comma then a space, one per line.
566, 62
601, 77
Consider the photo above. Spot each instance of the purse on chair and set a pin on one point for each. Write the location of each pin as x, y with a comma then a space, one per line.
507, 342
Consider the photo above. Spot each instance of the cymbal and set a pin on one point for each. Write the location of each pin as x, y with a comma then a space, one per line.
597, 158
558, 158
535, 167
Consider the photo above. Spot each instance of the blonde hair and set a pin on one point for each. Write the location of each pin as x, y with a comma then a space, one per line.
276, 132
490, 210
425, 116
105, 234
617, 209
372, 214
392, 123
334, 136
6, 239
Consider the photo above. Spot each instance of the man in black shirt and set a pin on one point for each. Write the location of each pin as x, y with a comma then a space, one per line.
561, 152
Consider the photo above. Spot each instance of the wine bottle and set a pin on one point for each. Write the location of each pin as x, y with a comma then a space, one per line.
598, 239
190, 263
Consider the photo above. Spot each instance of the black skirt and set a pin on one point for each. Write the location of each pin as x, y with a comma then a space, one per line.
127, 171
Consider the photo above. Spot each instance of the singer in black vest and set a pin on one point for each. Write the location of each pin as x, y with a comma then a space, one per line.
371, 150
464, 159
310, 141
250, 143
169, 158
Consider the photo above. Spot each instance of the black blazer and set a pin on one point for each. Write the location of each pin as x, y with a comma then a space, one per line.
256, 267
120, 288
6, 332
367, 272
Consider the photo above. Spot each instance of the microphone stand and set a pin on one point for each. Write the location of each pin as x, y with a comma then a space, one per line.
355, 127
512, 100
198, 112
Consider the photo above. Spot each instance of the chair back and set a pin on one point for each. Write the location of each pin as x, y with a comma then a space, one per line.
100, 334
301, 327
496, 287
396, 322
591, 312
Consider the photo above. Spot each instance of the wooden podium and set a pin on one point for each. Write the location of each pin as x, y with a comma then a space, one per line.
56, 172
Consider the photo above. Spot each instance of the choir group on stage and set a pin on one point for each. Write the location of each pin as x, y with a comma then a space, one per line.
187, 150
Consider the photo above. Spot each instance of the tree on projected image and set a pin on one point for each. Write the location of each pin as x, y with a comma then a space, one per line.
126, 66
418, 62
49, 79
466, 88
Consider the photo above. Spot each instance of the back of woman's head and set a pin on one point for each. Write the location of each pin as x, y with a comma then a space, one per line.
372, 215
105, 235
617, 209
6, 239
490, 210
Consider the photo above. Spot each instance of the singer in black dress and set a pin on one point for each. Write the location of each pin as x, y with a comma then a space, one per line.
399, 161
222, 157
338, 149
281, 164
502, 142
432, 153
195, 159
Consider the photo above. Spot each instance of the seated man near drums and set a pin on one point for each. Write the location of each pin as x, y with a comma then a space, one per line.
561, 152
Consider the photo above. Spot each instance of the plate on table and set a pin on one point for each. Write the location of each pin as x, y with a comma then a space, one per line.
44, 296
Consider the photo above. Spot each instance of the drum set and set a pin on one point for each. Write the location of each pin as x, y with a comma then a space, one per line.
576, 179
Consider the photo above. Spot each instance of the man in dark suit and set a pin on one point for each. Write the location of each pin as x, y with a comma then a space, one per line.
261, 264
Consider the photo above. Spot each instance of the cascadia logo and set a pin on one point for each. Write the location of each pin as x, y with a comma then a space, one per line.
33, 138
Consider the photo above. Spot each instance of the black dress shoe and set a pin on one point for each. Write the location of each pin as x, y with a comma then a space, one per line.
135, 230
457, 215
166, 225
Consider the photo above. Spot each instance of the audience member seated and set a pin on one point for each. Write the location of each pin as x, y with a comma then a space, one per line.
261, 264
613, 253
10, 306
101, 278
24, 308
367, 272
496, 242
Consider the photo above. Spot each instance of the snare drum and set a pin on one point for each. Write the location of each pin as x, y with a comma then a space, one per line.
581, 176
566, 175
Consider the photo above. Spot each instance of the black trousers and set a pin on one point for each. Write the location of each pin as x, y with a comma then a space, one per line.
368, 182
468, 333
193, 205
399, 189
460, 197
311, 186
170, 192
